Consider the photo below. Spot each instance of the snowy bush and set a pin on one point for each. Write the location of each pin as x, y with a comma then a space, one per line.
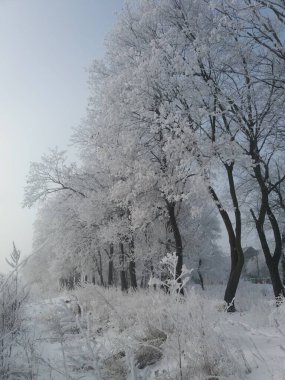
165, 333
277, 318
169, 280
12, 343
138, 331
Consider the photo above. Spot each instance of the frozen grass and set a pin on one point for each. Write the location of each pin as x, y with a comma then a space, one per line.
151, 335
176, 336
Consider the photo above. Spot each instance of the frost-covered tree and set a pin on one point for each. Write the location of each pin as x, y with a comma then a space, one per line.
257, 110
189, 95
161, 85
144, 122
260, 21
52, 174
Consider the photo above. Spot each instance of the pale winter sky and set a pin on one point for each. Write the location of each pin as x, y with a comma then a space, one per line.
45, 48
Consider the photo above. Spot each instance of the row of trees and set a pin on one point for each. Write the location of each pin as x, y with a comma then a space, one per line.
186, 108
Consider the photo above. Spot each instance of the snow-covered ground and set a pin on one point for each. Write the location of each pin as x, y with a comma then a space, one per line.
151, 335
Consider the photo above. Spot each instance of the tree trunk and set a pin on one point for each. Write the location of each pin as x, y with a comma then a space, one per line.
283, 269
132, 264
101, 270
142, 285
283, 258
277, 285
110, 272
200, 275
272, 262
233, 281
237, 257
124, 281
99, 267
178, 242
111, 266
133, 276
123, 274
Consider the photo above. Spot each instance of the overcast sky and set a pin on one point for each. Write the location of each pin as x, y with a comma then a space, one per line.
45, 48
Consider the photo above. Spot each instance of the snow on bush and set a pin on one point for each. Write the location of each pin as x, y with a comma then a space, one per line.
158, 333
16, 356
277, 317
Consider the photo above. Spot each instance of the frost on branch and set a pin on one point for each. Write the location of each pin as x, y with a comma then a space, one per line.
49, 176
169, 279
